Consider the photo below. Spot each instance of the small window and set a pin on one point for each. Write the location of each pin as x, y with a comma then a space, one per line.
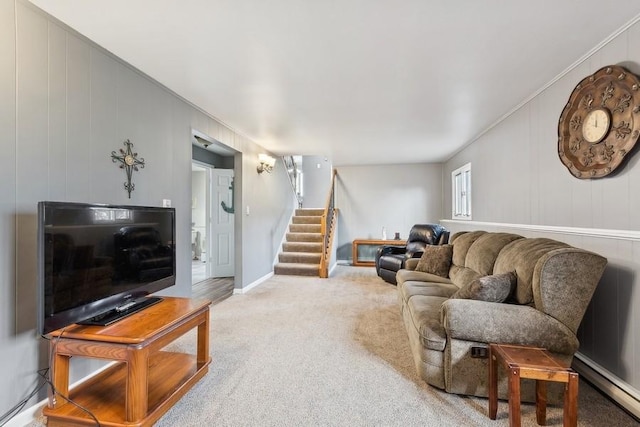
461, 193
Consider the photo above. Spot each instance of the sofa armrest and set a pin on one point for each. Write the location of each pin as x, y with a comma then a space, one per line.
387, 250
411, 263
392, 250
489, 322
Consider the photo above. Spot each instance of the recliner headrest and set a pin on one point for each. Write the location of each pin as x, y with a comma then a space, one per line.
427, 233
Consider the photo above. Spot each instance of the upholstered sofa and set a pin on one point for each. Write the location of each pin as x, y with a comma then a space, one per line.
452, 316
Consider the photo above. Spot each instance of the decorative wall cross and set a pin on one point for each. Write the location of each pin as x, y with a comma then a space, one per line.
129, 162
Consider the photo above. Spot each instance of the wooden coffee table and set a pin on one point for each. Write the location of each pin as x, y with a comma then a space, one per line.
533, 363
149, 378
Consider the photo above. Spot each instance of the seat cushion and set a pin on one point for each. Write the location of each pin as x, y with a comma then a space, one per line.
412, 288
419, 276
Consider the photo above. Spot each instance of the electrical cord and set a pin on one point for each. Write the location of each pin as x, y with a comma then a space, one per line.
45, 375
54, 391
7, 416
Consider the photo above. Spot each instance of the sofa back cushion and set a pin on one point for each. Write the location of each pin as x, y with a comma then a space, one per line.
521, 257
482, 254
551, 276
462, 276
461, 244
474, 255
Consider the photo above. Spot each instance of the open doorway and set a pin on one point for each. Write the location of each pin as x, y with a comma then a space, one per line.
212, 220
199, 213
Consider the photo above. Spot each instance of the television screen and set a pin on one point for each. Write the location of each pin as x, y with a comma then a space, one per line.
99, 262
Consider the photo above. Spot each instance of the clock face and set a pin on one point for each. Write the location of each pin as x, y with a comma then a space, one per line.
596, 125
600, 124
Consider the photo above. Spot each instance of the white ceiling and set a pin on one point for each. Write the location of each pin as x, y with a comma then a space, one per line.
358, 81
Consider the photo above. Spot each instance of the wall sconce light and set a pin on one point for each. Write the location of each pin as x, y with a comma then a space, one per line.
266, 163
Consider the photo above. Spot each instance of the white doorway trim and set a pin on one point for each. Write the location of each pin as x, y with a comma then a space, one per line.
201, 221
225, 151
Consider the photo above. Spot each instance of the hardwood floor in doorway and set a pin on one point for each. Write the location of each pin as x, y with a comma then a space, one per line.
215, 289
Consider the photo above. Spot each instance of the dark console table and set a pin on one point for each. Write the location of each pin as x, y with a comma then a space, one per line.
368, 260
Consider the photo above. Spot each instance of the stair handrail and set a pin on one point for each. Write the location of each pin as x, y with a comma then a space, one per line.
327, 227
291, 167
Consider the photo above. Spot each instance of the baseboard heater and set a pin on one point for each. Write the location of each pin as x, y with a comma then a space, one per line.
621, 393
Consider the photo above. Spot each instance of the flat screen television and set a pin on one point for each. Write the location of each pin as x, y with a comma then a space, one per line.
98, 263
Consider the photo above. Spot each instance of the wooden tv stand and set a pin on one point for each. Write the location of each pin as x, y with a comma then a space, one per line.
146, 382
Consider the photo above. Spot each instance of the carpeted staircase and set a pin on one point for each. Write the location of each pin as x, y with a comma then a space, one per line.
301, 252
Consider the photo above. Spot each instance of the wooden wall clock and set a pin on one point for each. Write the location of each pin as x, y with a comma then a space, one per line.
601, 123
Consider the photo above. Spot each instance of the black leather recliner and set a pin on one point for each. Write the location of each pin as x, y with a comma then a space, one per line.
390, 259
141, 255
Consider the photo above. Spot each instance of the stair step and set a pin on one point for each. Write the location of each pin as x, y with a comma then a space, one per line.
302, 247
299, 257
304, 237
309, 212
297, 269
306, 220
305, 228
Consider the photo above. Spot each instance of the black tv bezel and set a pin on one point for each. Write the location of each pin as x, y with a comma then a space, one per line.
68, 317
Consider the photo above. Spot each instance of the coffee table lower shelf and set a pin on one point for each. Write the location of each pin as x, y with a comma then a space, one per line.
171, 375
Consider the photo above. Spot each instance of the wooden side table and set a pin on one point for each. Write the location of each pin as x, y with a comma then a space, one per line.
537, 364
371, 242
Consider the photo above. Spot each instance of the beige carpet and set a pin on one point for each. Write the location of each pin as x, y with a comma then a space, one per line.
312, 352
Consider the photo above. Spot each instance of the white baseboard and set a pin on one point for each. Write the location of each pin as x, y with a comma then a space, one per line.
27, 416
619, 391
252, 284
333, 267
32, 413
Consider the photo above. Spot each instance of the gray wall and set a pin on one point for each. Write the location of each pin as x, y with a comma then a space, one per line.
518, 179
392, 196
271, 201
316, 172
65, 104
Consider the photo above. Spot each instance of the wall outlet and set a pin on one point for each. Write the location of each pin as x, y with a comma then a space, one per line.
166, 203
247, 210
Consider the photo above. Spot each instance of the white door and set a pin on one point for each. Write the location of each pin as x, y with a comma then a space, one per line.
222, 244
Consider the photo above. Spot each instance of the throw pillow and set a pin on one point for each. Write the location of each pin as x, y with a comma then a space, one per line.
495, 288
436, 260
